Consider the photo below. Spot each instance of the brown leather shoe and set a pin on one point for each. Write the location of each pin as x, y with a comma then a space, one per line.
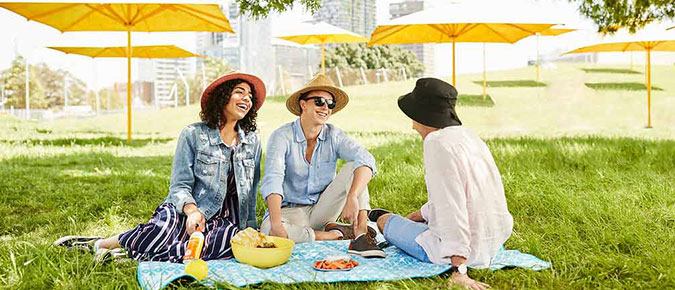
365, 246
347, 230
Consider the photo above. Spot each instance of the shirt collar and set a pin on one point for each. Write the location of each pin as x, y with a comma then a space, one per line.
215, 139
300, 136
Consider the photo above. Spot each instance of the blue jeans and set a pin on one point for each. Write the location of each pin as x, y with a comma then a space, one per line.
401, 232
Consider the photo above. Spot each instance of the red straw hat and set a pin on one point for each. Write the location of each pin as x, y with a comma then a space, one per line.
258, 87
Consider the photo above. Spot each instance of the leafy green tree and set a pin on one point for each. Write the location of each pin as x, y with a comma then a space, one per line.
374, 57
610, 15
46, 86
14, 82
260, 9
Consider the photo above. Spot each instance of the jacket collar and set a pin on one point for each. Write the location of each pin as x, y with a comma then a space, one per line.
215, 139
300, 136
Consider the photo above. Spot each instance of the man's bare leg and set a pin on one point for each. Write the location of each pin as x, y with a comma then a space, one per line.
362, 225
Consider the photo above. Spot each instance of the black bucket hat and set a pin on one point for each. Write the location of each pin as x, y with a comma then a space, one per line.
431, 103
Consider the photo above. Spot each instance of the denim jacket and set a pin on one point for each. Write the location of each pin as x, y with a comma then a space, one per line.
201, 166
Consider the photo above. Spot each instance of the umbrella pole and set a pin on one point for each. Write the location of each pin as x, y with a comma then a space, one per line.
484, 77
454, 83
129, 83
649, 88
537, 58
323, 59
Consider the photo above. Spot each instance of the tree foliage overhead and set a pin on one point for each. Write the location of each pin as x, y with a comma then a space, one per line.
611, 15
374, 57
261, 8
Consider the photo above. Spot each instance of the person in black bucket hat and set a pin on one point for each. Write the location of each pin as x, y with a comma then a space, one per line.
431, 103
465, 221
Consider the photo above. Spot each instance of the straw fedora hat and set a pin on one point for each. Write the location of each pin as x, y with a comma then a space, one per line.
319, 83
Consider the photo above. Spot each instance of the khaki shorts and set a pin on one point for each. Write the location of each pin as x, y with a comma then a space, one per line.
301, 221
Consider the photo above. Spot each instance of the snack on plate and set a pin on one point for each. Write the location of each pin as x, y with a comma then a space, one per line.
335, 265
253, 239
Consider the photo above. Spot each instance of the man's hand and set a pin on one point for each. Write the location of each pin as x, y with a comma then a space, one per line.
195, 219
351, 210
278, 230
465, 281
416, 217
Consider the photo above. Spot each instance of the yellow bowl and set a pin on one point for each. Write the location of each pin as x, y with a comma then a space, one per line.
264, 257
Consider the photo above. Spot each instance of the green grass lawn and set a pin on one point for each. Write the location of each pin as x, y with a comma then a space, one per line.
589, 188
621, 86
611, 70
474, 101
511, 83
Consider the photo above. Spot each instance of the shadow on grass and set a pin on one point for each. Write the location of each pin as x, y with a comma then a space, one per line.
511, 84
621, 86
101, 141
611, 71
475, 101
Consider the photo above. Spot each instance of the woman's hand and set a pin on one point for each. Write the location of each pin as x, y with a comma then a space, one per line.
278, 230
351, 210
194, 218
416, 217
466, 281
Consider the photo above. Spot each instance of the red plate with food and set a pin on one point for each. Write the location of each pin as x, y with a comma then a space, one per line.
331, 264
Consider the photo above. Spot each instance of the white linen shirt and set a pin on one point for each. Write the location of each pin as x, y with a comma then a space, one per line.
466, 208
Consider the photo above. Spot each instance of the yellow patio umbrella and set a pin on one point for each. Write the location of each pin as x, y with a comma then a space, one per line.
646, 43
149, 51
463, 23
111, 15
321, 33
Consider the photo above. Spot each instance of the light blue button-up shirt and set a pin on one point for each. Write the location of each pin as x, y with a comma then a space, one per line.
288, 173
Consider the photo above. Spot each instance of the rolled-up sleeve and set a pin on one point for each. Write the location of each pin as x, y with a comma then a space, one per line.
182, 174
446, 210
348, 150
275, 165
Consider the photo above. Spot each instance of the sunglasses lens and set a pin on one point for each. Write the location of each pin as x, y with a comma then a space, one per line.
320, 101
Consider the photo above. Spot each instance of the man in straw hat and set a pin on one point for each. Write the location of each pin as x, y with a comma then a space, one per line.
304, 196
465, 220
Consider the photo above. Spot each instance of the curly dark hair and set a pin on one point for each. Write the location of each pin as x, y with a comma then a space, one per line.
212, 113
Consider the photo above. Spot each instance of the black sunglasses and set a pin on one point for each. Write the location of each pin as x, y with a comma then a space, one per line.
320, 101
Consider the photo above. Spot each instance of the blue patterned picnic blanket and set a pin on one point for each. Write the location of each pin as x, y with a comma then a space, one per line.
398, 265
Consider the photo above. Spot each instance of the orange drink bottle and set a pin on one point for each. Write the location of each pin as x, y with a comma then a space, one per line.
193, 250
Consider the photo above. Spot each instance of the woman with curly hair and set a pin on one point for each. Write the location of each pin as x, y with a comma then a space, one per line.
214, 179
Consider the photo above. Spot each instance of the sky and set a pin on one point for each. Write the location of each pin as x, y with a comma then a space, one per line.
30, 38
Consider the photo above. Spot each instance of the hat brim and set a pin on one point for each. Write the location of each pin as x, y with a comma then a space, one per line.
257, 83
436, 119
340, 97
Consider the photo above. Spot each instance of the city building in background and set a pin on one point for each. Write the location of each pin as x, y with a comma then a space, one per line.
162, 73
249, 50
424, 52
358, 16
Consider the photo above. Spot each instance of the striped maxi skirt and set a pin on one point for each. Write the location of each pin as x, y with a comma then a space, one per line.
164, 237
